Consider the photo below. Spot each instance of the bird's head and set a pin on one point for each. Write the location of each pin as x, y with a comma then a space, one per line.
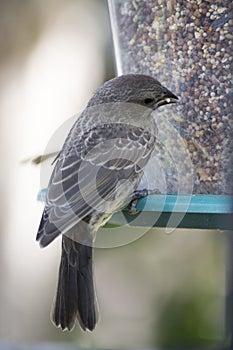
134, 88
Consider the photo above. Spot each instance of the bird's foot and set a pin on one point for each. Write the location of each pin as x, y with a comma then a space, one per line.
138, 194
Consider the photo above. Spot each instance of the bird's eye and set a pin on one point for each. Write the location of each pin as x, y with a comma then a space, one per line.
148, 101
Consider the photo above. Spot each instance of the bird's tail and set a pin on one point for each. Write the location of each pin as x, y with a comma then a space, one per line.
75, 296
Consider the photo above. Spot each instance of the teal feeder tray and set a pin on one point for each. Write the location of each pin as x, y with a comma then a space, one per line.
197, 211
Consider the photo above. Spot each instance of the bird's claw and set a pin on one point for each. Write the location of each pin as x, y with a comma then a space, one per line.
138, 194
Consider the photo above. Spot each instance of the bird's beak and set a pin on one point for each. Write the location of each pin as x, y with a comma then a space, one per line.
167, 98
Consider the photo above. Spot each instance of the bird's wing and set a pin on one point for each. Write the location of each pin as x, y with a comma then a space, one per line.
88, 175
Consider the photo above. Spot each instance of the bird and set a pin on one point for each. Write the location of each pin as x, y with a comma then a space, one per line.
96, 174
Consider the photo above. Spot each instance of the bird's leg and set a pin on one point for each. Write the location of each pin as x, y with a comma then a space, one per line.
138, 194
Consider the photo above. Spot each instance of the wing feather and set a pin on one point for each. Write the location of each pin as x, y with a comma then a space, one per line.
83, 181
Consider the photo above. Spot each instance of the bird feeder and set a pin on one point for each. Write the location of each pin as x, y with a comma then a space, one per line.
187, 47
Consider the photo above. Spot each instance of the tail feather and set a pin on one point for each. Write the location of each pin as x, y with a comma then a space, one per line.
75, 296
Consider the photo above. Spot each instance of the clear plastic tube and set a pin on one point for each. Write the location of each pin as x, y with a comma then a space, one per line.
187, 45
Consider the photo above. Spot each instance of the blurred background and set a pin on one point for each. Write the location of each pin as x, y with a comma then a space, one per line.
160, 291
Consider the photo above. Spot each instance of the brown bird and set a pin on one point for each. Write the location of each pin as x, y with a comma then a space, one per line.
96, 173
